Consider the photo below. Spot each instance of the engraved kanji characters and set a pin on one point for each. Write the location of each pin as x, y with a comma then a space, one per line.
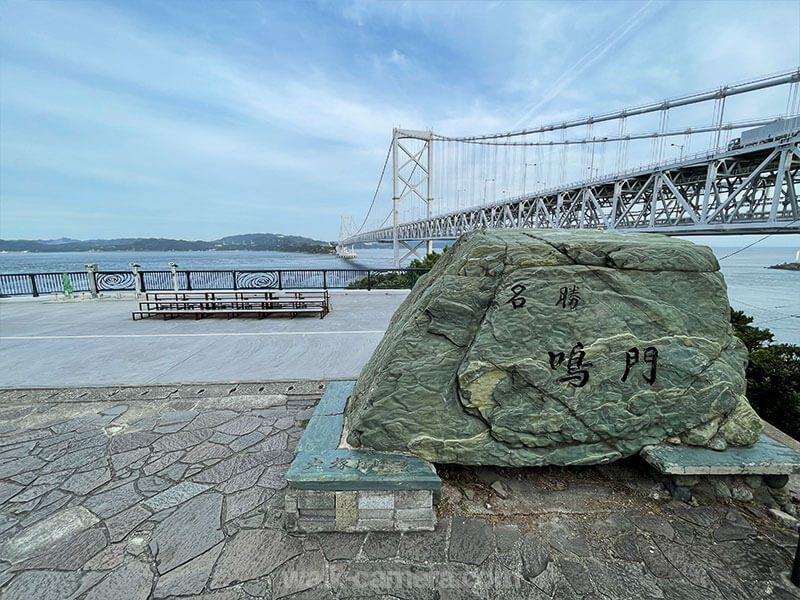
577, 375
569, 297
650, 358
517, 301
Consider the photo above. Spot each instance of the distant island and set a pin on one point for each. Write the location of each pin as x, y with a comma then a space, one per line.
248, 241
792, 266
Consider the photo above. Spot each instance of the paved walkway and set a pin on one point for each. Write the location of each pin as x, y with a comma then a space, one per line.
85, 342
177, 491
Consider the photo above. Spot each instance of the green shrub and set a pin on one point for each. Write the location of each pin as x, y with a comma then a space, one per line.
428, 261
773, 375
398, 280
386, 280
753, 337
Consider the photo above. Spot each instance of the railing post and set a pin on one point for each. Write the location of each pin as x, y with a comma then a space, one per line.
188, 280
369, 280
141, 282
174, 268
234, 281
324, 279
91, 272
34, 289
280, 280
137, 282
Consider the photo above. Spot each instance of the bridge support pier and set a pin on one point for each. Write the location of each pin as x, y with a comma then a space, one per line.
346, 230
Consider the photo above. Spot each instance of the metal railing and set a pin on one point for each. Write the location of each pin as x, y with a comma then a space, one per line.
37, 284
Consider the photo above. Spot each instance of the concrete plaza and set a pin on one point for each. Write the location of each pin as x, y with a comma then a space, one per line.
51, 342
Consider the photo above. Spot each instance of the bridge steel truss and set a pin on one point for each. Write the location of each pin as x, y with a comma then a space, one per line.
747, 190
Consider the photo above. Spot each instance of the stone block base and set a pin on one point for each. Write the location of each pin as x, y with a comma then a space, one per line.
759, 473
340, 489
362, 510
770, 490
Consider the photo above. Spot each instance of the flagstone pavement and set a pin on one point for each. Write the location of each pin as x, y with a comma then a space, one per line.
177, 492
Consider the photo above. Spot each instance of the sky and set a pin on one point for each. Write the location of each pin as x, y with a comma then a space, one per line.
197, 119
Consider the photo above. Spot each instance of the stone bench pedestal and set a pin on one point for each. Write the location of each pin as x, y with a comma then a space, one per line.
339, 489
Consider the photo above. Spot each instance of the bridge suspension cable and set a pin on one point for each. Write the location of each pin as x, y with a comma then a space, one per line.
637, 136
377, 189
783, 78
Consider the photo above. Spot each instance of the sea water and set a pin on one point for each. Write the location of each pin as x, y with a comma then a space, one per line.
771, 296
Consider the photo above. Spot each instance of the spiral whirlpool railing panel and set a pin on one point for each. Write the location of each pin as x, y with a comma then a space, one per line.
257, 280
115, 281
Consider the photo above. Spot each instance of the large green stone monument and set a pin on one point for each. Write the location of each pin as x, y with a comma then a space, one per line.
534, 347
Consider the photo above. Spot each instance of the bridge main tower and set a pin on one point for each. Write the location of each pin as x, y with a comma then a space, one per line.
412, 175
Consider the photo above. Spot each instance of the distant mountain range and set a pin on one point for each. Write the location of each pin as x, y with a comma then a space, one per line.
249, 241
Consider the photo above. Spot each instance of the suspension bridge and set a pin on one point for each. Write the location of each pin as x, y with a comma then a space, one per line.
724, 161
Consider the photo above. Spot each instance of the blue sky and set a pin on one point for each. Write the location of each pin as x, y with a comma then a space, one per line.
203, 119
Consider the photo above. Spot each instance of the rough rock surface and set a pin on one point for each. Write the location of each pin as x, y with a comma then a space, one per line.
533, 347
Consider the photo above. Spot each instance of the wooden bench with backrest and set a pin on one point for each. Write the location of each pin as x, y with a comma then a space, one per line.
260, 303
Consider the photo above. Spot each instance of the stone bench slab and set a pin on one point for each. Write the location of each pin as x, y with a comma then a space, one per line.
343, 469
335, 398
322, 433
765, 457
320, 464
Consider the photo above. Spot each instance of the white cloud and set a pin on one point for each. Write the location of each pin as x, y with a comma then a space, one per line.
398, 58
